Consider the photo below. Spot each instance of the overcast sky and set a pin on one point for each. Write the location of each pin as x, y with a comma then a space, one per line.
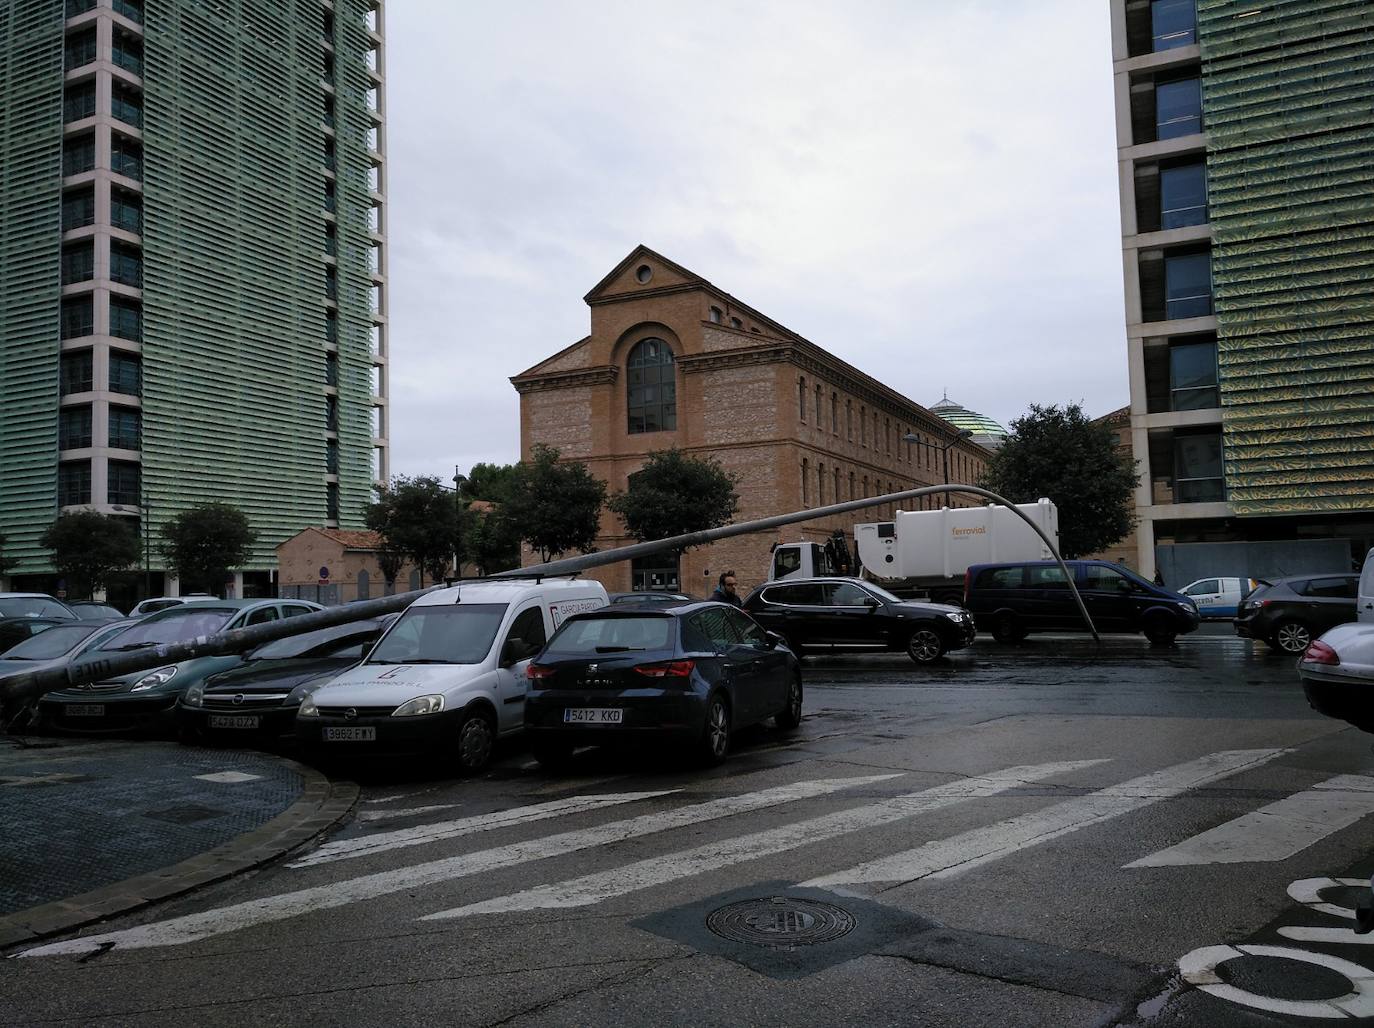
928, 190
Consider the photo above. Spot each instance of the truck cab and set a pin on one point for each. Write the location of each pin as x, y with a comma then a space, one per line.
801, 560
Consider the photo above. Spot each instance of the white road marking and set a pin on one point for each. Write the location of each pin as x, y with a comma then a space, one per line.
643, 874
1199, 968
385, 815
203, 925
345, 849
1276, 831
228, 777
944, 858
1308, 892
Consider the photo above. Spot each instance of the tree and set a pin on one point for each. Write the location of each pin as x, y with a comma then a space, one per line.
204, 544
490, 482
5, 562
553, 506
417, 518
673, 494
87, 548
1059, 453
490, 540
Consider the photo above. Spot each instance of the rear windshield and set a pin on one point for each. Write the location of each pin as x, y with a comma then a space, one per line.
33, 607
458, 633
53, 642
324, 643
614, 635
184, 623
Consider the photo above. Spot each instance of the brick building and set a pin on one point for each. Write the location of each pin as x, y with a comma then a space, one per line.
349, 560
1126, 551
673, 361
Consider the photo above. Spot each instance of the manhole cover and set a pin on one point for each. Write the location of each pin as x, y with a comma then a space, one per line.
780, 921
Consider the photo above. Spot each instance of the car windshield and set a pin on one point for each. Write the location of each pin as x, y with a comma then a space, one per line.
32, 607
613, 635
184, 623
459, 633
53, 642
317, 644
878, 590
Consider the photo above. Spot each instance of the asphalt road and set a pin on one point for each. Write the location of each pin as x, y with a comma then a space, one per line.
1030, 835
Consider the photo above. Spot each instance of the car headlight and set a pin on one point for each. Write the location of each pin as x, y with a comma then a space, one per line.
956, 615
161, 676
308, 708
420, 705
194, 696
299, 694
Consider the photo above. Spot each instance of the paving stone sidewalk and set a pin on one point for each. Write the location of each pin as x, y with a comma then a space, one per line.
93, 828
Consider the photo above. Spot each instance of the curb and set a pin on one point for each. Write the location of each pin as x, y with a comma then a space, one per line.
322, 804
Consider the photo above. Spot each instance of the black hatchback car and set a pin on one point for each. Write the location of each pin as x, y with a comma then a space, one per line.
1289, 613
690, 674
851, 613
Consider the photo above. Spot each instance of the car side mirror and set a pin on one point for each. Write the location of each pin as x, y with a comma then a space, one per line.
872, 604
513, 652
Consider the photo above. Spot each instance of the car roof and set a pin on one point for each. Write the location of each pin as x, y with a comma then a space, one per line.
678, 608
505, 590
819, 578
1316, 574
29, 596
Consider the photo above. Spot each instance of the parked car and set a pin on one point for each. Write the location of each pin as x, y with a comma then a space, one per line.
649, 597
690, 674
853, 614
1219, 597
148, 699
13, 631
448, 677
1337, 674
34, 605
59, 643
1013, 600
89, 609
1291, 612
156, 603
260, 697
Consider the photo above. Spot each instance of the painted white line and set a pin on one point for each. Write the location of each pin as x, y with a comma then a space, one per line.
1276, 831
228, 777
1199, 968
191, 927
1308, 892
581, 892
386, 815
362, 846
944, 858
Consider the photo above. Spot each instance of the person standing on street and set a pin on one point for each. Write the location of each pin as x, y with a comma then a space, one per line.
725, 591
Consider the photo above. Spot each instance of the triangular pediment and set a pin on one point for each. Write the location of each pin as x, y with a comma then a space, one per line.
643, 271
570, 358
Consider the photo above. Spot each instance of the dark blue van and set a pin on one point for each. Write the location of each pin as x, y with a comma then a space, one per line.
1013, 600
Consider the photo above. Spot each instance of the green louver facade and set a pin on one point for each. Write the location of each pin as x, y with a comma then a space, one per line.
1288, 107
30, 166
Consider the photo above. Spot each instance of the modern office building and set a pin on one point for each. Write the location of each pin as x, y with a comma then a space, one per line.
192, 265
1246, 150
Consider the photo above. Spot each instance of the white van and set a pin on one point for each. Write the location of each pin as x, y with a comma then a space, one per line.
1364, 606
1218, 597
448, 677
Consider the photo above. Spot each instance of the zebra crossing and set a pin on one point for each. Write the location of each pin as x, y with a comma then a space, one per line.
670, 817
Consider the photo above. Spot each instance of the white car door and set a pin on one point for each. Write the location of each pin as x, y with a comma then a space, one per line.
1364, 607
524, 638
1207, 595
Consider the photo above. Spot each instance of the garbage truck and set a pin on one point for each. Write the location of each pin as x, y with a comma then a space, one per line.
926, 552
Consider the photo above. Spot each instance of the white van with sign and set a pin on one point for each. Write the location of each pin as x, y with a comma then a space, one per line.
1218, 597
448, 677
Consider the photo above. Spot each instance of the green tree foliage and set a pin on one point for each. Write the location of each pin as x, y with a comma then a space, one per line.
204, 544
417, 518
553, 506
673, 494
87, 548
490, 482
1058, 452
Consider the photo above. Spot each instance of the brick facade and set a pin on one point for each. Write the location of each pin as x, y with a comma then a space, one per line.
1124, 552
798, 426
347, 555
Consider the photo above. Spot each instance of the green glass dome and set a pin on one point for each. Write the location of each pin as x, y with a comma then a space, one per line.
986, 432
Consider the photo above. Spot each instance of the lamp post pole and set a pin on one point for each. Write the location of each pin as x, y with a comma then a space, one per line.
147, 544
458, 480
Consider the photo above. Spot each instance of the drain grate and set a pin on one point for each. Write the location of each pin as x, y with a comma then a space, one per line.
781, 922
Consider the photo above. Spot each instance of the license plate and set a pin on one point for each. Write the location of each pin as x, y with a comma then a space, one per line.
592, 715
84, 709
233, 721
350, 734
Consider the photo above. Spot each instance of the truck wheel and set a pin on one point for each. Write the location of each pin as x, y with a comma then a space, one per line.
1007, 629
1291, 637
925, 646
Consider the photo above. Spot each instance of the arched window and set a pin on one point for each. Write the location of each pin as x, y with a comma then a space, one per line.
820, 485
651, 388
806, 470
836, 497
835, 413
801, 398
849, 419
364, 585
851, 486
820, 414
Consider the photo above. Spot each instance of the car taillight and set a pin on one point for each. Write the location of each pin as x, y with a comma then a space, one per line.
667, 669
968, 584
1320, 653
538, 671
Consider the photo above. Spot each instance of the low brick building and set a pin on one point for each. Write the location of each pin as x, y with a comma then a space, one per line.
1125, 551
674, 361
332, 566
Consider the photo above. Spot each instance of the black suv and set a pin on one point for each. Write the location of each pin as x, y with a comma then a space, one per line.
1292, 612
852, 613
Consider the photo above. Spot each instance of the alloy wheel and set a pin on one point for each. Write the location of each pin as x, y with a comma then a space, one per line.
924, 645
717, 729
1293, 637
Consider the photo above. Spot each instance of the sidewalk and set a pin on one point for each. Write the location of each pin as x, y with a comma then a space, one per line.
94, 828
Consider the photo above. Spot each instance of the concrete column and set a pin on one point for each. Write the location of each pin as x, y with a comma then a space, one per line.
1145, 548
173, 584
236, 587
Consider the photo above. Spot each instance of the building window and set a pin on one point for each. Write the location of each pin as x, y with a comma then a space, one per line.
820, 417
126, 264
1193, 376
331, 239
78, 317
1198, 468
364, 585
1178, 108
716, 315
330, 155
1183, 195
801, 398
80, 49
78, 262
1188, 285
1173, 23
126, 319
806, 470
887, 435
331, 327
125, 482
126, 104
73, 428
835, 495
78, 155
75, 7
73, 482
651, 389
851, 485
126, 158
131, 9
78, 101
126, 428
331, 413
77, 373
127, 52
331, 501
820, 484
863, 425
849, 420
331, 456
331, 368
835, 413
331, 283
78, 209
329, 199
126, 373
658, 572
329, 111
126, 210
736, 323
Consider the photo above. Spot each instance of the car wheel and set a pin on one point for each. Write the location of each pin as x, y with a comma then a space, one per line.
553, 756
715, 735
1160, 635
1007, 628
925, 646
1291, 637
790, 716
476, 738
